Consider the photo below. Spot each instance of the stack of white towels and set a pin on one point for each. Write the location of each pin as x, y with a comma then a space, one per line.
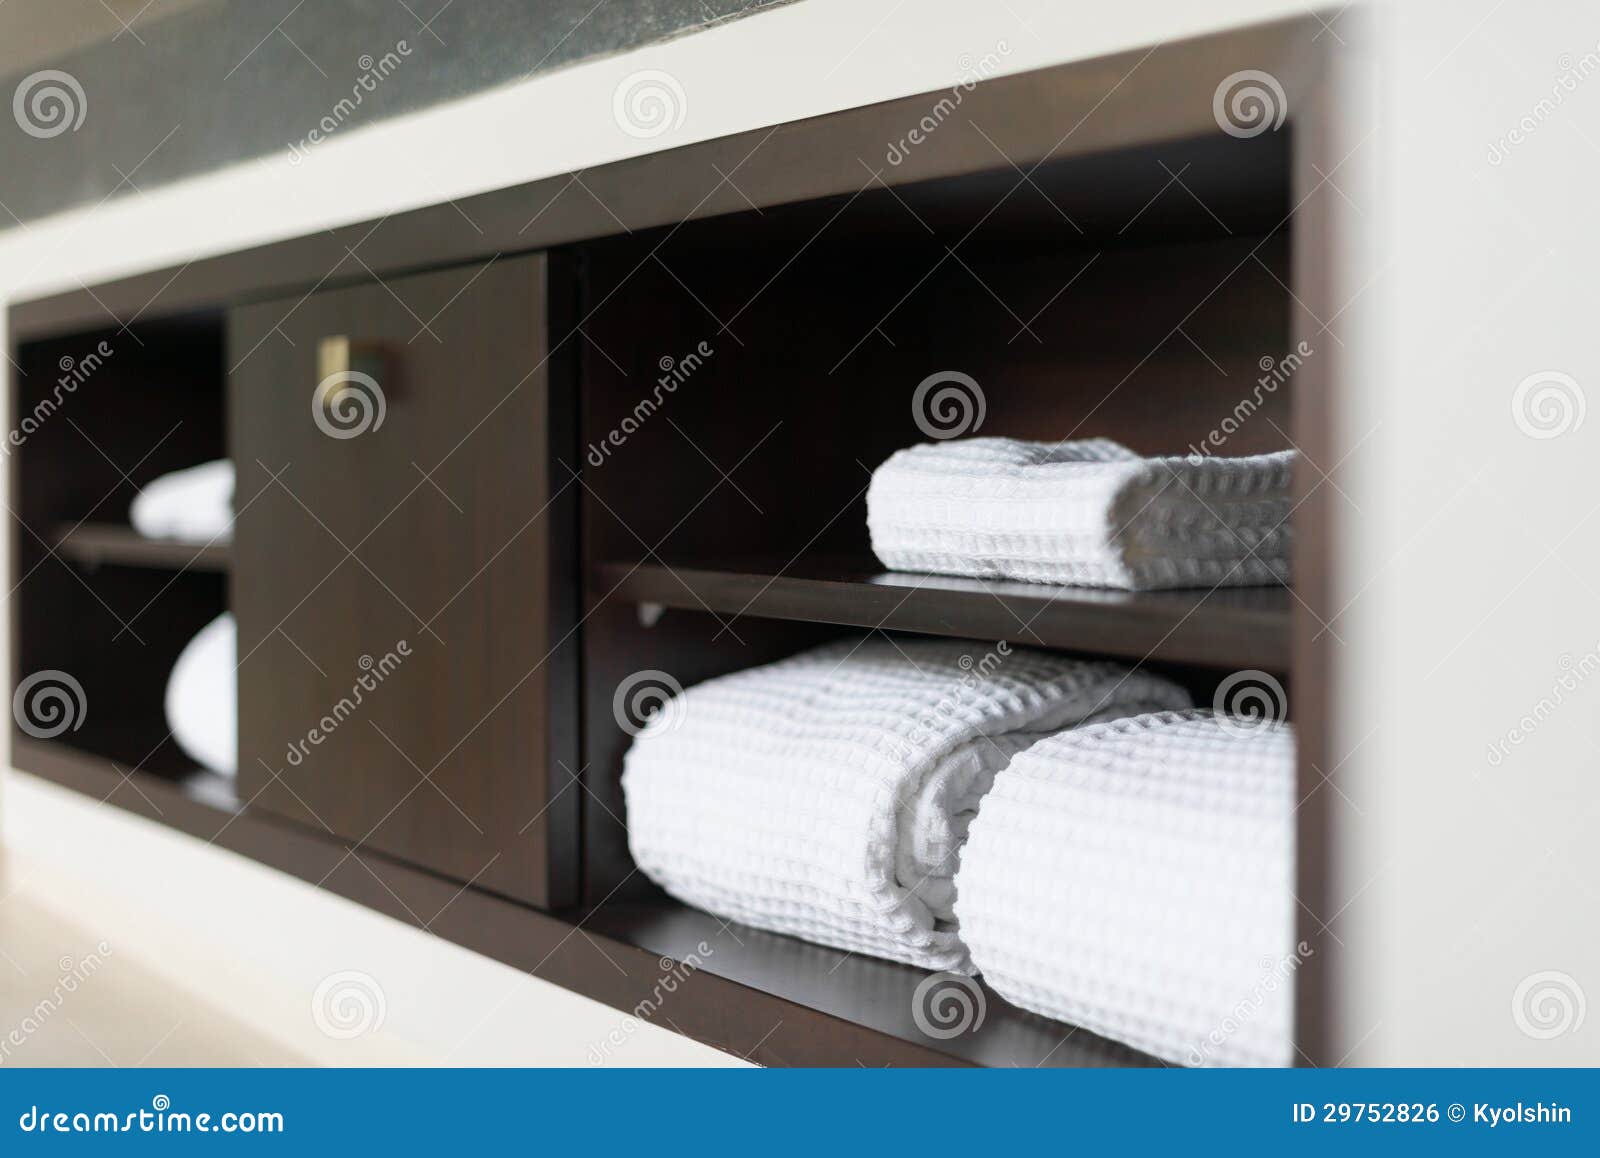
1071, 829
195, 505
1090, 513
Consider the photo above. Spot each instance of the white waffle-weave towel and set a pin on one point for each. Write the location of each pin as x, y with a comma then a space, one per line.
195, 504
202, 698
1134, 878
826, 795
1090, 513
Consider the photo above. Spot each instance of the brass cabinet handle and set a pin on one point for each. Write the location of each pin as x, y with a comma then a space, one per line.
355, 382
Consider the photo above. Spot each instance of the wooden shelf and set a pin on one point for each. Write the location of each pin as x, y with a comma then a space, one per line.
864, 991
196, 791
1235, 627
774, 999
98, 544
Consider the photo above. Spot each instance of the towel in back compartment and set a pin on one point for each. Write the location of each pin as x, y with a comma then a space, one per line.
1090, 513
1134, 878
202, 697
195, 504
826, 795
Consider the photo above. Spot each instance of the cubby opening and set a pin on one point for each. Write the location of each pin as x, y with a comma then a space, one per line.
102, 613
742, 376
723, 360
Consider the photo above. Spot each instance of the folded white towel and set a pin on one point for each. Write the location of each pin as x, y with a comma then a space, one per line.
195, 504
203, 697
826, 795
1090, 513
1134, 878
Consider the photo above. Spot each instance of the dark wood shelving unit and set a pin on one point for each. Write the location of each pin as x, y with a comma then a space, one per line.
740, 504
103, 544
1229, 626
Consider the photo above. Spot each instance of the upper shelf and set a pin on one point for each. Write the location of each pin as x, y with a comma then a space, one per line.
101, 543
1227, 627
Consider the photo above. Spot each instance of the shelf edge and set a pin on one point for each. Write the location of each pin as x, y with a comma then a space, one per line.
1224, 638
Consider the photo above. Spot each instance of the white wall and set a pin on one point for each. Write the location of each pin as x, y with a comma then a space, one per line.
1473, 565
260, 942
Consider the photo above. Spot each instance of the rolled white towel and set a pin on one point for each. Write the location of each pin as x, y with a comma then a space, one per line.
826, 795
192, 504
1134, 878
1090, 513
202, 697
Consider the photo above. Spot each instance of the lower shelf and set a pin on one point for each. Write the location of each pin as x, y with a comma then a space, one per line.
864, 992
771, 999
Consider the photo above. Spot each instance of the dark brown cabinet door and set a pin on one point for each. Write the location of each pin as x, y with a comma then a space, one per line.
404, 573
